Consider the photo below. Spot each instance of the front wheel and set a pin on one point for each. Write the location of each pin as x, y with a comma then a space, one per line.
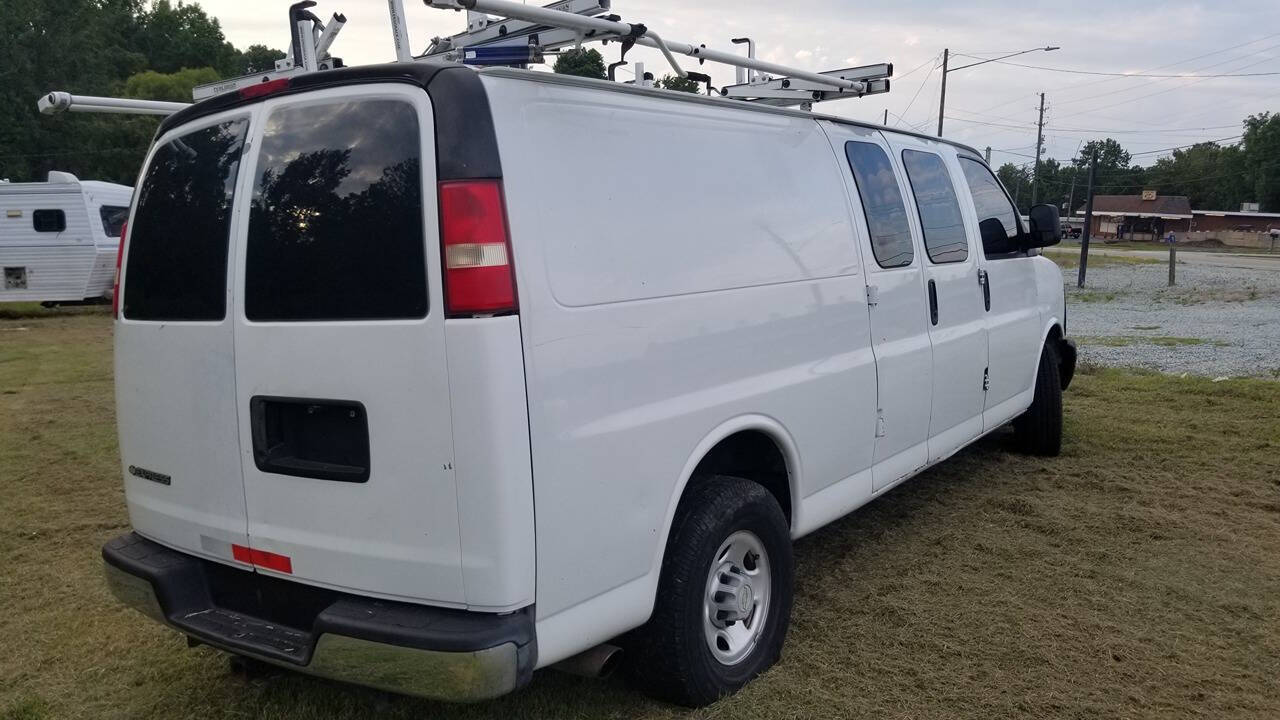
724, 597
1039, 429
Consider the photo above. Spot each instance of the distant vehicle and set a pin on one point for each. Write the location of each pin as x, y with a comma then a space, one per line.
58, 238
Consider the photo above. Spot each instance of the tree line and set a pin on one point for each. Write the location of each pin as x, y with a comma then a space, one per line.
1211, 175
124, 48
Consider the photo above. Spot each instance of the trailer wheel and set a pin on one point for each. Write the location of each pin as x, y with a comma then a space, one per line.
724, 597
1039, 429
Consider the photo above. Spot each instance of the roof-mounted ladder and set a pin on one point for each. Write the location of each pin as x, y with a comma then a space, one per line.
519, 36
527, 31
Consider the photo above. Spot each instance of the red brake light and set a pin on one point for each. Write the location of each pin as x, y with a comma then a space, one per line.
478, 277
266, 88
115, 288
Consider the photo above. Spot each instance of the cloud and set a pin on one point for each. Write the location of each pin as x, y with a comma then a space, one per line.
803, 54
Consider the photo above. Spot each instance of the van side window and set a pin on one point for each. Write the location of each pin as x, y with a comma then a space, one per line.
49, 220
335, 228
113, 217
881, 203
990, 201
939, 208
177, 253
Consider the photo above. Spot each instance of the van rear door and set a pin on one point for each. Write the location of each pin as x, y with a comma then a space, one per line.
174, 354
341, 379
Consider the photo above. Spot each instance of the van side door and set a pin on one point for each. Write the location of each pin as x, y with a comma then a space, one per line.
957, 313
1013, 320
896, 302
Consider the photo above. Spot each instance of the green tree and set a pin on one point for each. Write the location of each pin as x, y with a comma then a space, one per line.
1261, 148
257, 59
1111, 156
1017, 180
583, 62
675, 82
175, 87
184, 36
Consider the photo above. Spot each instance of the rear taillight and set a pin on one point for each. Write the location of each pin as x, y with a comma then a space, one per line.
478, 276
115, 288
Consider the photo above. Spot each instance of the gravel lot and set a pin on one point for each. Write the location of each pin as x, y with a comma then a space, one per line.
1217, 321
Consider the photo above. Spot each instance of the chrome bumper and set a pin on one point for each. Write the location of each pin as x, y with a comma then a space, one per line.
450, 655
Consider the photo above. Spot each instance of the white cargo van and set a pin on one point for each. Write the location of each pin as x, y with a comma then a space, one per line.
59, 238
415, 391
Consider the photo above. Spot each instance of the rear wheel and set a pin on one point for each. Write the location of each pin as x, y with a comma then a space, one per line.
724, 598
1039, 429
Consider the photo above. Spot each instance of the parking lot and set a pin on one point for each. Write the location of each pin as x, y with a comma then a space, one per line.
1135, 576
1222, 319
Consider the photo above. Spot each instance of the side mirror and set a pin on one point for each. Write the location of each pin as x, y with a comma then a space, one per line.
995, 240
1046, 229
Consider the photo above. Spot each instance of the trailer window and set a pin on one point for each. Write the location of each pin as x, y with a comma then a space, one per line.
49, 220
336, 228
990, 201
113, 217
177, 251
881, 203
939, 208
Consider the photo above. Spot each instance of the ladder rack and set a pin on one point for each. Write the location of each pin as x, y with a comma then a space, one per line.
520, 35
573, 23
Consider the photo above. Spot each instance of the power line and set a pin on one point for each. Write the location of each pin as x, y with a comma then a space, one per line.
1122, 75
922, 84
1184, 147
1105, 130
1157, 81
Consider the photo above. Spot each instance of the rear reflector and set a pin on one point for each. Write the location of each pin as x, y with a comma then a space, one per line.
115, 288
266, 88
478, 276
262, 558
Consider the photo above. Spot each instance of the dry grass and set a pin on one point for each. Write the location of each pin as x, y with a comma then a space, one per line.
1138, 575
1070, 258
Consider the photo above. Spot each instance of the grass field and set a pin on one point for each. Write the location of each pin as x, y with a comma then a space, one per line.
1138, 575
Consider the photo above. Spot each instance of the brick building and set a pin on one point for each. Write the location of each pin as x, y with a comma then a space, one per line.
1148, 216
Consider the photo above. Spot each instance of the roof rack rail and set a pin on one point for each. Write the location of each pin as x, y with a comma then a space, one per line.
518, 37
574, 22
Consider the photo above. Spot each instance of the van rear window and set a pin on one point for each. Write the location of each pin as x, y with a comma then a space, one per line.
177, 250
336, 227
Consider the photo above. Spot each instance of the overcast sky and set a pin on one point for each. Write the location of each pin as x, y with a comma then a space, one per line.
1145, 114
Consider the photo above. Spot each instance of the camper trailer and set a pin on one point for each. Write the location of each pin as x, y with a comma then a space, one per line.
58, 238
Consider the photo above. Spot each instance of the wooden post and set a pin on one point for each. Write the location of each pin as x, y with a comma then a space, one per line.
1173, 260
1088, 221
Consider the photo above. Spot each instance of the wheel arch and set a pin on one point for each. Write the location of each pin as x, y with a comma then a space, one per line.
721, 451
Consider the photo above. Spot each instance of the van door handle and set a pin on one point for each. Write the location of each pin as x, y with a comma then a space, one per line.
985, 281
933, 302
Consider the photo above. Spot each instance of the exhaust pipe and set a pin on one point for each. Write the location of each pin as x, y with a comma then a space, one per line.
598, 662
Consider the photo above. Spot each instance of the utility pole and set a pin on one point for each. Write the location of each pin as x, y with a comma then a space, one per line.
986, 154
1035, 177
1088, 220
886, 117
942, 102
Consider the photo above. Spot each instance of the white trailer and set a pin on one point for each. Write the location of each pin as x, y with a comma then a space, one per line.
58, 238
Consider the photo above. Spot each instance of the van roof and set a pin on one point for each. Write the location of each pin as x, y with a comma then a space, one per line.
423, 72
607, 85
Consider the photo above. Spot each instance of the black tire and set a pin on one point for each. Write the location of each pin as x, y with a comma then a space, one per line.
669, 657
1039, 430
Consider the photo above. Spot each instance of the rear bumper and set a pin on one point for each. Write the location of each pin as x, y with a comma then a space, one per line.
417, 650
